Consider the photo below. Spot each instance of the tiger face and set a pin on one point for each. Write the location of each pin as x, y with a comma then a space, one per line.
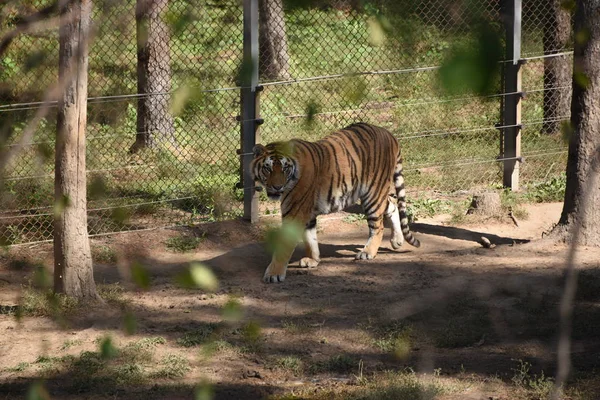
274, 169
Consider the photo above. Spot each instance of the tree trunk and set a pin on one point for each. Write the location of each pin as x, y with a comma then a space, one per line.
73, 273
557, 70
274, 60
582, 198
154, 122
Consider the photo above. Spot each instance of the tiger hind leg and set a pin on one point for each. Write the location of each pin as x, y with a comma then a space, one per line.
312, 246
393, 216
375, 221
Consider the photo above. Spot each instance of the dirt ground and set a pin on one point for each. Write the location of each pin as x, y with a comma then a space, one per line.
480, 323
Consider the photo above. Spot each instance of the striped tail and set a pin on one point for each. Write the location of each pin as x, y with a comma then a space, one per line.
401, 195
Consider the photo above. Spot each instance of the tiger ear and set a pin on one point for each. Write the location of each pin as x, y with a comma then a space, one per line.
259, 150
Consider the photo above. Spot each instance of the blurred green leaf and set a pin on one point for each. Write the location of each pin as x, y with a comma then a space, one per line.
402, 348
252, 331
140, 276
203, 277
60, 205
129, 323
204, 391
355, 89
280, 240
568, 5
179, 20
107, 349
582, 36
45, 151
197, 275
120, 215
245, 72
97, 188
183, 96
42, 278
581, 78
567, 131
34, 60
473, 68
37, 391
232, 310
377, 27
312, 109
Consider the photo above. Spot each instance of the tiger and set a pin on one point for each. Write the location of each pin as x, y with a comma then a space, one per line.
359, 162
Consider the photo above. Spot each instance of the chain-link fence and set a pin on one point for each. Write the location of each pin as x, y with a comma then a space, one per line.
323, 65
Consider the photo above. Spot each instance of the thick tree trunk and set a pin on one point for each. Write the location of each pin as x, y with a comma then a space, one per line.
582, 197
274, 60
73, 273
154, 122
557, 70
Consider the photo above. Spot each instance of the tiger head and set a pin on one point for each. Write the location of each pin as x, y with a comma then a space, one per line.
274, 168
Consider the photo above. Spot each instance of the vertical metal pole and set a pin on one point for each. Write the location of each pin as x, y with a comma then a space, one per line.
512, 101
249, 107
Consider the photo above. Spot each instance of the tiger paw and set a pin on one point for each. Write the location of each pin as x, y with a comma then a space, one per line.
363, 255
274, 274
308, 262
397, 242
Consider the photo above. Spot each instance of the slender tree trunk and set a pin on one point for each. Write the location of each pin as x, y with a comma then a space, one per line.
582, 197
154, 122
557, 70
274, 60
73, 273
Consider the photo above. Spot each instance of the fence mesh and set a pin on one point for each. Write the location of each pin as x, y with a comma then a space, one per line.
323, 65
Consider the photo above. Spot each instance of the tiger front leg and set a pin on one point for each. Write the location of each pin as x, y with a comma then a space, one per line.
284, 246
312, 246
375, 237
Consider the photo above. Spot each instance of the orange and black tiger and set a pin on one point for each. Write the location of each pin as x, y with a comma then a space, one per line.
360, 162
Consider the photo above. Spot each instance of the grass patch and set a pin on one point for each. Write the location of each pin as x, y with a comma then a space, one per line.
182, 243
532, 386
341, 364
511, 201
354, 218
113, 294
46, 303
552, 190
20, 367
291, 363
67, 344
404, 385
198, 336
295, 327
130, 365
427, 208
104, 254
395, 338
172, 366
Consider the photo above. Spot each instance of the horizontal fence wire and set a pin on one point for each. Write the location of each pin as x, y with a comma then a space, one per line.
327, 72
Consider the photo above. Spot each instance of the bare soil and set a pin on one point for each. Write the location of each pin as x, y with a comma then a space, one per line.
469, 315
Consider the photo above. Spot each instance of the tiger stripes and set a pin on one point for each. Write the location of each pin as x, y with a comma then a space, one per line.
360, 162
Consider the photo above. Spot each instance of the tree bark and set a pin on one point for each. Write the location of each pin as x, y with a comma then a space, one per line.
581, 211
73, 272
557, 70
154, 122
274, 60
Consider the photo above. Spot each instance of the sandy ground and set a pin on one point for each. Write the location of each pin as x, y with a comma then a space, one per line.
468, 310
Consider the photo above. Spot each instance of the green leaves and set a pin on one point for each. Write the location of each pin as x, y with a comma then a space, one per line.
197, 275
280, 241
107, 349
140, 276
473, 68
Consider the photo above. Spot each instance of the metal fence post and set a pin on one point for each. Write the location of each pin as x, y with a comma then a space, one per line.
249, 107
513, 95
